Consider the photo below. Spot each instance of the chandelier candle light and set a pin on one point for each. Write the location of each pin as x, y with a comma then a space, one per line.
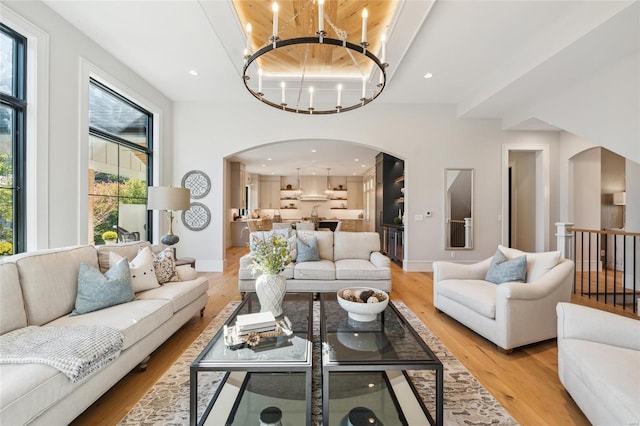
327, 67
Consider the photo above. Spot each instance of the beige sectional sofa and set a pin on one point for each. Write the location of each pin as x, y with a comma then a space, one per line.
346, 259
39, 289
599, 363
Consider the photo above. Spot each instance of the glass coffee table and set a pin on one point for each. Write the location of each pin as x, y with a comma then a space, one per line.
364, 369
273, 374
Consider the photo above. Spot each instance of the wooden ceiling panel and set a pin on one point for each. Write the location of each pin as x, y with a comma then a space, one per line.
299, 18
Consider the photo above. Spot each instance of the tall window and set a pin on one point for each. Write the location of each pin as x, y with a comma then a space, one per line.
120, 160
12, 141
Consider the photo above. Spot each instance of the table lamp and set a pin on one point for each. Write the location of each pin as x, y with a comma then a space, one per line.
168, 199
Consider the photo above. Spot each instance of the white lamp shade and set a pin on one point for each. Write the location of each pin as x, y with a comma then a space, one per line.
619, 198
168, 198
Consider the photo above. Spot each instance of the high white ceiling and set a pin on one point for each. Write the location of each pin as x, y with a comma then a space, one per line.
487, 57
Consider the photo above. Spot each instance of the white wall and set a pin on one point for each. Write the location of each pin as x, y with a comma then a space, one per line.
67, 174
604, 109
428, 138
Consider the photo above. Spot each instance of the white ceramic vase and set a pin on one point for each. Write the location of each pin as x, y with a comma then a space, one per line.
271, 290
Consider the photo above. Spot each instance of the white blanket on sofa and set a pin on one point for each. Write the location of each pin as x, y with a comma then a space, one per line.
76, 351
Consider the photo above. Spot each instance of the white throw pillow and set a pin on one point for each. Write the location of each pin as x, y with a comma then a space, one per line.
143, 274
538, 264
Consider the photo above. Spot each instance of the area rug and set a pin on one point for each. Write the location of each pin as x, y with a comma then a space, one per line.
466, 401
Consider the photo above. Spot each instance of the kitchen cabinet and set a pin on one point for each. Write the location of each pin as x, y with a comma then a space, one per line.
354, 196
389, 189
351, 225
393, 243
238, 183
239, 234
269, 195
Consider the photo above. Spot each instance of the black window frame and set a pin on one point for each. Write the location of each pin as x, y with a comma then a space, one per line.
18, 103
148, 150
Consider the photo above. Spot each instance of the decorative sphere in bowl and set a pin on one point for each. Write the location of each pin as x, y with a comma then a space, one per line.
363, 310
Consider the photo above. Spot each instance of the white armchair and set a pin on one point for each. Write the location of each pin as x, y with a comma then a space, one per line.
599, 363
511, 314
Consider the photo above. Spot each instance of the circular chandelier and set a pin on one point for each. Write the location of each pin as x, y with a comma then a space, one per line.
314, 74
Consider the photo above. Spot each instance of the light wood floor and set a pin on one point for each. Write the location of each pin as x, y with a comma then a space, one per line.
526, 382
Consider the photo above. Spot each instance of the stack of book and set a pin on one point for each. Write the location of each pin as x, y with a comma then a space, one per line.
259, 322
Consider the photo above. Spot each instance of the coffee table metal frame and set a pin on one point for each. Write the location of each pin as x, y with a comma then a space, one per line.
381, 365
261, 366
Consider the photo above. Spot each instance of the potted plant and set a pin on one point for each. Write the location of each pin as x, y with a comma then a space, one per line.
110, 237
271, 256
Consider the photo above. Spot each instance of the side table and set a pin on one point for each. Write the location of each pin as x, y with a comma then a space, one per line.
186, 261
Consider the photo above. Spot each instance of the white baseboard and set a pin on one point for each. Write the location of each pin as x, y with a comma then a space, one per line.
427, 265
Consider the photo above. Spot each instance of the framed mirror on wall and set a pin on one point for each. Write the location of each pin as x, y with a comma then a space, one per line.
458, 209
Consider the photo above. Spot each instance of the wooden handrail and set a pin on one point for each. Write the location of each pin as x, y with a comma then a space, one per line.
604, 231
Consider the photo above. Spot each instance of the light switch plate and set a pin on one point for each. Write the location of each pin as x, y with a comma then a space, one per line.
419, 218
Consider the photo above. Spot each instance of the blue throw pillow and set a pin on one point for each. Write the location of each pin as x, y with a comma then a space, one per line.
503, 270
97, 291
307, 249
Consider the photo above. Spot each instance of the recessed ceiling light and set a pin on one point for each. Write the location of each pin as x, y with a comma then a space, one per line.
264, 165
363, 165
313, 150
357, 159
428, 75
193, 72
354, 173
269, 159
314, 173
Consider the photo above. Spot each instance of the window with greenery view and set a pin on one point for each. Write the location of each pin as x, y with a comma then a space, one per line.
120, 160
12, 141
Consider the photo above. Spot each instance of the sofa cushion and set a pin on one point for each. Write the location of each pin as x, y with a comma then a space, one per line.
143, 275
355, 245
320, 270
477, 295
97, 291
135, 319
359, 269
128, 250
12, 313
180, 294
607, 371
325, 242
49, 281
307, 249
538, 264
504, 270
28, 390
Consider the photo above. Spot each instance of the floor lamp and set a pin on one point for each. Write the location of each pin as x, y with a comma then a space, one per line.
168, 199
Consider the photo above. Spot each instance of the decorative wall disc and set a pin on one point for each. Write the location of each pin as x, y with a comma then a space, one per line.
197, 182
197, 217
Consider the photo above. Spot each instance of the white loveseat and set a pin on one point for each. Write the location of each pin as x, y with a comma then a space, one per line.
39, 288
511, 314
346, 259
599, 363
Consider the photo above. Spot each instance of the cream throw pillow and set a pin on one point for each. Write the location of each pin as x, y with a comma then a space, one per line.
143, 275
